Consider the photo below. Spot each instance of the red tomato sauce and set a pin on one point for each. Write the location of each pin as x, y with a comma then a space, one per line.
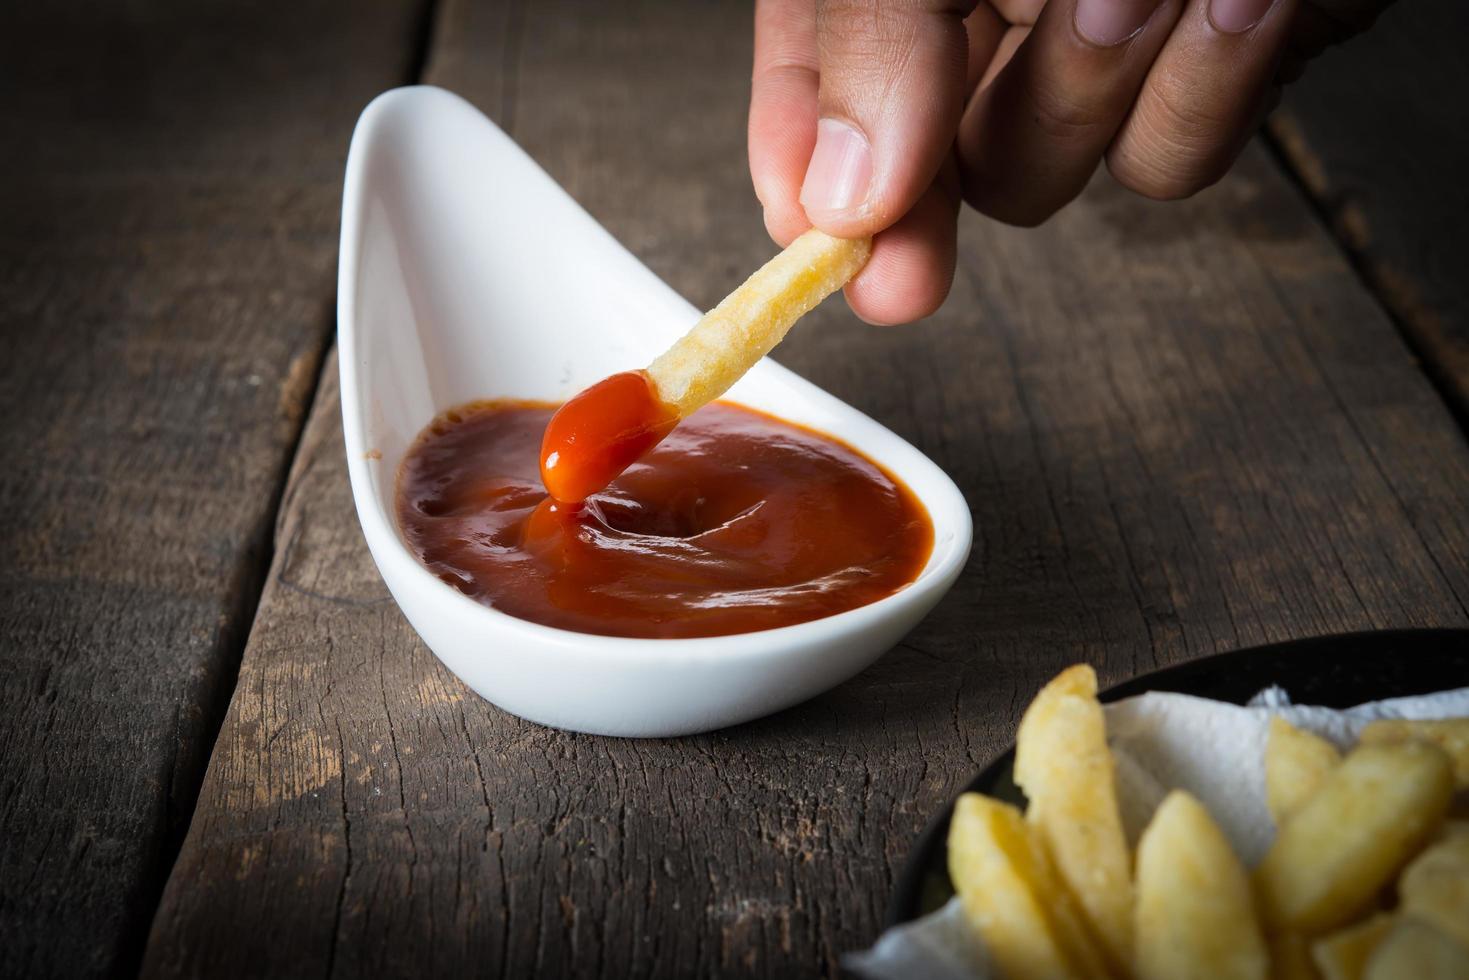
737, 521
601, 432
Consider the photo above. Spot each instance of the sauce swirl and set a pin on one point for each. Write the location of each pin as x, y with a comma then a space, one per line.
736, 522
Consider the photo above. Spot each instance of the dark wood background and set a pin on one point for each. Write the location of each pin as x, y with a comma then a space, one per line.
1182, 428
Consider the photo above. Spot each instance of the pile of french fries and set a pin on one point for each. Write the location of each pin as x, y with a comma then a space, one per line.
1368, 875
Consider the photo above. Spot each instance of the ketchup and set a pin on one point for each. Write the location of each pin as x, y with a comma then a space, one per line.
735, 522
600, 432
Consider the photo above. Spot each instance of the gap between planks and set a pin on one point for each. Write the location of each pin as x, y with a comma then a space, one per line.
1291, 152
253, 588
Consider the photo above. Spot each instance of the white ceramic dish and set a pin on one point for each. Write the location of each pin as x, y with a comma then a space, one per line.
466, 272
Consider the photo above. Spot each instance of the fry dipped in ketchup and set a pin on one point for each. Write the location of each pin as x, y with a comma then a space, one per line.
609, 426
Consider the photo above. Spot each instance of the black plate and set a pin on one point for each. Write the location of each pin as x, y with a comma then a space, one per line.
1335, 671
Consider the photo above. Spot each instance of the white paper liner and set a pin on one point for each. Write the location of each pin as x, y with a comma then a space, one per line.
1161, 742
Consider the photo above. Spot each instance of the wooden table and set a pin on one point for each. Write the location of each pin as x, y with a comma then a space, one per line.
1182, 428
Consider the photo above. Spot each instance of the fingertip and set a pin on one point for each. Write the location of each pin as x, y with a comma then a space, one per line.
891, 297
845, 226
785, 225
911, 269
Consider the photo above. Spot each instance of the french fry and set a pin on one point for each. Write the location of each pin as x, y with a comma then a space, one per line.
1195, 914
605, 428
1415, 950
743, 328
1345, 843
1066, 770
1296, 763
1045, 889
1029, 924
1343, 954
1449, 734
1435, 886
1290, 958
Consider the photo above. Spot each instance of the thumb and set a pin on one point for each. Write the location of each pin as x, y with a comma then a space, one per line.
891, 96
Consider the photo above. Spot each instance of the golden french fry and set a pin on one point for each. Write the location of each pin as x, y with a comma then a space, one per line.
1343, 954
1290, 957
1415, 950
1296, 762
743, 328
1027, 921
1449, 734
1195, 914
1066, 770
1349, 839
1435, 886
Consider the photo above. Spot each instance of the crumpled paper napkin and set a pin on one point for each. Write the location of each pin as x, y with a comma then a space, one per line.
1162, 742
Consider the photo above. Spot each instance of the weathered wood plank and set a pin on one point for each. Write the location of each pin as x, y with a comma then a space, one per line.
1376, 131
1182, 428
169, 186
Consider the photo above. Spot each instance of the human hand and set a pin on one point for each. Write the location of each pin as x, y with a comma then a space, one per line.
879, 118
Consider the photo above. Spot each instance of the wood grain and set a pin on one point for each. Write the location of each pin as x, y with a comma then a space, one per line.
1182, 428
169, 186
1376, 133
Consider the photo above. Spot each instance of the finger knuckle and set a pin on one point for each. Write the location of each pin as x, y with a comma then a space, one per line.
1175, 105
1062, 116
885, 31
853, 21
1171, 148
864, 33
1159, 182
870, 9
